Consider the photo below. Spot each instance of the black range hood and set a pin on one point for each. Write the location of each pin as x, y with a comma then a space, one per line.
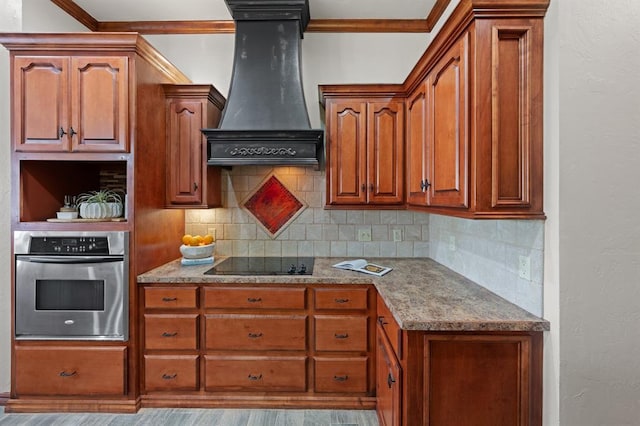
265, 119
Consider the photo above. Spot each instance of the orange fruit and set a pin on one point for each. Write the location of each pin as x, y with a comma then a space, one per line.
193, 241
207, 239
198, 239
186, 239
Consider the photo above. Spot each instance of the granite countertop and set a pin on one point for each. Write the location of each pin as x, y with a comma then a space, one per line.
420, 293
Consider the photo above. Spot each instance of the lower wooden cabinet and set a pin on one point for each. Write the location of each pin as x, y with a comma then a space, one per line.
250, 345
86, 371
457, 378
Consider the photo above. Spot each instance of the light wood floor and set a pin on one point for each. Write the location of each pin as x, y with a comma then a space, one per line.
193, 417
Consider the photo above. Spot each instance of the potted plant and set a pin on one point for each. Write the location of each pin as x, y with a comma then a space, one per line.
101, 204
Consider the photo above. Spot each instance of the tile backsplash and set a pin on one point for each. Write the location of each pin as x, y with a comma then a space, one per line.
314, 231
485, 251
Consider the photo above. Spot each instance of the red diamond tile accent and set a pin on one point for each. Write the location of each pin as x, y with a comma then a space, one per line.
273, 205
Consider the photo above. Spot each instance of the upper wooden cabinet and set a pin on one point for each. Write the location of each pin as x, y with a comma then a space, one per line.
365, 146
190, 182
71, 103
474, 115
437, 142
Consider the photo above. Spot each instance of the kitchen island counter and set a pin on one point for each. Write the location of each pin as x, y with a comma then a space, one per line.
420, 293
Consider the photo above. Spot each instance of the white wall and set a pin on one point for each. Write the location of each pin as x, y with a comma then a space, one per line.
599, 201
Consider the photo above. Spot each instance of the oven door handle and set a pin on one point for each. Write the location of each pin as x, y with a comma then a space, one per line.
70, 260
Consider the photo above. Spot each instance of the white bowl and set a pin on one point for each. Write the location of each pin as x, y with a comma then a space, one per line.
197, 252
67, 215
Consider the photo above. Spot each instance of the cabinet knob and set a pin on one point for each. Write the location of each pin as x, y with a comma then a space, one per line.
254, 299
371, 187
363, 187
169, 299
65, 374
341, 378
61, 132
341, 336
253, 378
195, 186
338, 300
255, 335
169, 376
72, 132
167, 334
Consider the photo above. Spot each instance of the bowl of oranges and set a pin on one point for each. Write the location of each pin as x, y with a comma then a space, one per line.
197, 246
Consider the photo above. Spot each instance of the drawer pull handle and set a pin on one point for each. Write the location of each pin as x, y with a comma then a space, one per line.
341, 336
169, 299
254, 378
254, 299
65, 374
390, 380
341, 300
255, 335
167, 334
382, 321
341, 378
169, 376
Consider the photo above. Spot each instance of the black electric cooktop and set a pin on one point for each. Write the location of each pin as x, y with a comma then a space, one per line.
263, 266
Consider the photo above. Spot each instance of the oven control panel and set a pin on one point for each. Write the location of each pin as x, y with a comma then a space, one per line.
69, 245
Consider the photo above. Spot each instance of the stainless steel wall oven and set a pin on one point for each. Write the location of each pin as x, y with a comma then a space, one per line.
71, 285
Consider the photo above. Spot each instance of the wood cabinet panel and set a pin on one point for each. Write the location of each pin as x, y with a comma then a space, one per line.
244, 373
457, 388
171, 372
341, 299
171, 331
341, 374
385, 148
255, 332
51, 371
41, 103
416, 142
388, 383
99, 103
341, 333
347, 152
254, 298
447, 136
170, 297
388, 325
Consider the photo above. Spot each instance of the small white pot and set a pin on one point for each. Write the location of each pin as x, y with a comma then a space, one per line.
100, 210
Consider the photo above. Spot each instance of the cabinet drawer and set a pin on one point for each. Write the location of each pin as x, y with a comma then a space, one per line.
341, 333
334, 298
341, 374
255, 373
174, 372
390, 327
254, 298
171, 331
70, 370
170, 297
256, 332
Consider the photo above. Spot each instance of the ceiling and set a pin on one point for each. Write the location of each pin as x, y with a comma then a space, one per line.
212, 16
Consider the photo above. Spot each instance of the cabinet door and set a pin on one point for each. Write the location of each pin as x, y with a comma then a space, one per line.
447, 130
388, 383
184, 153
417, 146
385, 131
99, 104
41, 103
347, 156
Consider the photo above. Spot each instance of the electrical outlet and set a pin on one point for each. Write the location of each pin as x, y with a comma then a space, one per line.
452, 243
524, 267
364, 234
397, 235
212, 232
